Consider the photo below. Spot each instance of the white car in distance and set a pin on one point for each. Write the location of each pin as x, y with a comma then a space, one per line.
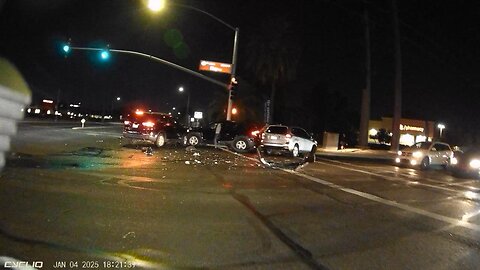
294, 140
425, 154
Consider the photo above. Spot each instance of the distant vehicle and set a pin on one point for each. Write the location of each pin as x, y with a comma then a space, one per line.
155, 127
237, 136
294, 140
425, 154
467, 162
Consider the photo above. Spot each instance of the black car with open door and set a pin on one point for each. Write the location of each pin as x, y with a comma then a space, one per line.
238, 136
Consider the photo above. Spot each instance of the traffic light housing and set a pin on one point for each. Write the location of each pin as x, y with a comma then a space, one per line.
66, 48
233, 88
104, 55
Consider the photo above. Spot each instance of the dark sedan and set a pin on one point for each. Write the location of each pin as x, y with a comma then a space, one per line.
468, 162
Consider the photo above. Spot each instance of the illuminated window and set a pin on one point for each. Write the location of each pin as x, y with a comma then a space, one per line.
407, 139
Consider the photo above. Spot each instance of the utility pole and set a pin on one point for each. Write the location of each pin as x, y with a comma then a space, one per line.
397, 107
365, 110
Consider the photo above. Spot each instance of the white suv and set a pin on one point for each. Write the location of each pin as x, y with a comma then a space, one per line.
424, 154
292, 139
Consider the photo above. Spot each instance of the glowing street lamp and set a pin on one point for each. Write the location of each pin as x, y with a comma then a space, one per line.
441, 127
156, 5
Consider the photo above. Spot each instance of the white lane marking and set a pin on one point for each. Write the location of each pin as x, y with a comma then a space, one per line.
452, 221
395, 179
468, 216
413, 175
80, 128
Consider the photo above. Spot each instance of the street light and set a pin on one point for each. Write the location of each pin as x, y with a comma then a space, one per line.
157, 5
187, 115
118, 98
441, 127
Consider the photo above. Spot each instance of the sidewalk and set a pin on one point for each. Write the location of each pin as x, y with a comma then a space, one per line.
357, 153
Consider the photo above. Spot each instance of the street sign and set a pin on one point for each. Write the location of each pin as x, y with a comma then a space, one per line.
198, 115
215, 66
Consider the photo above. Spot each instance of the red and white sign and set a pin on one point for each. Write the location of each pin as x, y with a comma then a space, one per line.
215, 66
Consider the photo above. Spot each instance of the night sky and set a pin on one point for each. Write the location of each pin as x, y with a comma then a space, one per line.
440, 52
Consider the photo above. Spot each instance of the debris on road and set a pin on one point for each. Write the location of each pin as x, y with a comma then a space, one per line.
131, 234
148, 151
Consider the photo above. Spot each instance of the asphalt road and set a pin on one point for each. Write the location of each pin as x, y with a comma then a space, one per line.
83, 196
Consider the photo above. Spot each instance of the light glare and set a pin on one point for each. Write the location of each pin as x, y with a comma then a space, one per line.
156, 5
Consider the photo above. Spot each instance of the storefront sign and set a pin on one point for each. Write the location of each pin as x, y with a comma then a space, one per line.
411, 128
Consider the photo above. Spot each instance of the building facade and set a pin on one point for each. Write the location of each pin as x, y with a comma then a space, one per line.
411, 130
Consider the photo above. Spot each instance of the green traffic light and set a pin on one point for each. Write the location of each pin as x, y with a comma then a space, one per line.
104, 55
66, 48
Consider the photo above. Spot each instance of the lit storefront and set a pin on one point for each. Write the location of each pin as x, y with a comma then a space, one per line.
411, 130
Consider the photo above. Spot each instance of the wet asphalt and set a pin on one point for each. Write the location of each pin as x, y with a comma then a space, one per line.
85, 196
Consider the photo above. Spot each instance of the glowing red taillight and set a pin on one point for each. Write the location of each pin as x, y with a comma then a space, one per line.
126, 122
255, 133
148, 124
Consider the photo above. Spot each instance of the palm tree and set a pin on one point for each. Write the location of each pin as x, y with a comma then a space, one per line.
273, 54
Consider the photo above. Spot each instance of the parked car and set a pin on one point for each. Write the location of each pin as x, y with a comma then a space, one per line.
158, 128
467, 162
238, 136
425, 154
294, 140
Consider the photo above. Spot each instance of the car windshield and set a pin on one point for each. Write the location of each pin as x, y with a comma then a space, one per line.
422, 145
277, 130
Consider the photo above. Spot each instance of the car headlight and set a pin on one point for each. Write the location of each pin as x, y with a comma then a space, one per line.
454, 161
475, 163
417, 154
399, 153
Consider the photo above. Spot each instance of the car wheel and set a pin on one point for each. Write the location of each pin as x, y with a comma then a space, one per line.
295, 151
311, 156
160, 141
193, 140
425, 163
240, 145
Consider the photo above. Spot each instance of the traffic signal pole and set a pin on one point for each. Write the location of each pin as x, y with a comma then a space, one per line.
157, 59
232, 77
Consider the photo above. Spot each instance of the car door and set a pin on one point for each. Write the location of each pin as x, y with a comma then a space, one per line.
296, 138
227, 131
306, 142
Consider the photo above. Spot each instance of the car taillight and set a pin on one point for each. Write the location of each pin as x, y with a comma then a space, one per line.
126, 122
263, 136
148, 124
288, 136
255, 133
